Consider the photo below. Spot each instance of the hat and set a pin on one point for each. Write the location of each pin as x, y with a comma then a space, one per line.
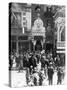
50, 63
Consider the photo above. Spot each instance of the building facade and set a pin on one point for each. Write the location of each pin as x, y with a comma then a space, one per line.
60, 26
33, 27
20, 27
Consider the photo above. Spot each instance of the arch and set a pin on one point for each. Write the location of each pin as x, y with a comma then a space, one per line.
38, 22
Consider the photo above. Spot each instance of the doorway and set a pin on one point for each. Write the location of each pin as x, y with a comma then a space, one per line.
49, 47
38, 46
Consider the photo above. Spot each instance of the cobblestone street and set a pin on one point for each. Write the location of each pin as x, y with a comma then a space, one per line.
19, 79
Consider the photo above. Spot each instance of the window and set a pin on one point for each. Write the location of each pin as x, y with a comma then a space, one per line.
16, 19
23, 38
63, 35
24, 18
13, 46
13, 38
24, 23
23, 46
24, 13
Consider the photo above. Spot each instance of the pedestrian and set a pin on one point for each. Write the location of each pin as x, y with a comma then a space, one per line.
59, 74
40, 79
50, 74
17, 61
20, 63
27, 75
10, 61
35, 75
42, 62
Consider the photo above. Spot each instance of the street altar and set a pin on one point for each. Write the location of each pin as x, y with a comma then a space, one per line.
38, 29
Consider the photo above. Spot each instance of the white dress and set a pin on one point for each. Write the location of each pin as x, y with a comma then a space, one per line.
55, 78
14, 63
39, 66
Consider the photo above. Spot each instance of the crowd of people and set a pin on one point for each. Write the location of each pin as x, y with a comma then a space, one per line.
39, 66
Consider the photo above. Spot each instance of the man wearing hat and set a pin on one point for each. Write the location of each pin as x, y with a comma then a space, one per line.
50, 74
59, 74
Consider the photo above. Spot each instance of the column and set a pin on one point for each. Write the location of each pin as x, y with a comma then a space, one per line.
34, 43
17, 45
29, 45
58, 26
42, 44
33, 47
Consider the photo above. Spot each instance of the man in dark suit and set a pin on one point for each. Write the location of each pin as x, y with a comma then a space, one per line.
50, 75
59, 74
